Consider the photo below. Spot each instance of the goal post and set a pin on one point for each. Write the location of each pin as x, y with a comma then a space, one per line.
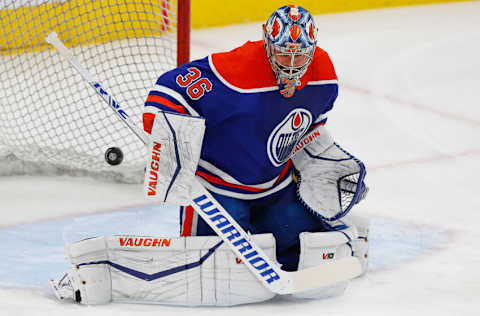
183, 32
48, 116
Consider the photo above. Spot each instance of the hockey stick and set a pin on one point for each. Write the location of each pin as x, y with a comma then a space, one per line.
264, 268
53, 39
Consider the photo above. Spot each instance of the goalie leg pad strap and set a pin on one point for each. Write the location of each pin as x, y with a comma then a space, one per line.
178, 271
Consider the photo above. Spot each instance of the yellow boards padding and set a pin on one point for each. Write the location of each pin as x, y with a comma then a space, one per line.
207, 13
83, 22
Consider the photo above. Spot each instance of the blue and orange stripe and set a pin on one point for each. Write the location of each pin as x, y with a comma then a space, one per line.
241, 188
163, 101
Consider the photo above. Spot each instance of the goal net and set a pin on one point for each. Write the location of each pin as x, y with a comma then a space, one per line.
50, 119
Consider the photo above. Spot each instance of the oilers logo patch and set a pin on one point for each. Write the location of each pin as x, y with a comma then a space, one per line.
286, 135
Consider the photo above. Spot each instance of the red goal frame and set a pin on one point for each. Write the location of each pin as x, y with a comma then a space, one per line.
183, 32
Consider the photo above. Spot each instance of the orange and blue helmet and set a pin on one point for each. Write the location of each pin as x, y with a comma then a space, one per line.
290, 42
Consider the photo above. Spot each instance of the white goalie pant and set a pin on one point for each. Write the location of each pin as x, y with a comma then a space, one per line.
179, 271
317, 248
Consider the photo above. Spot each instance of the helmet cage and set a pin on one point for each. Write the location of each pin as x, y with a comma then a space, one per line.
289, 70
290, 41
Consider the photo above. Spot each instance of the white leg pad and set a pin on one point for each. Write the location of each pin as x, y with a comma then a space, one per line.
179, 271
360, 244
317, 248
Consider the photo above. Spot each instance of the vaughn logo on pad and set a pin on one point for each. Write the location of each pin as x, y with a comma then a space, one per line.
286, 135
144, 242
151, 181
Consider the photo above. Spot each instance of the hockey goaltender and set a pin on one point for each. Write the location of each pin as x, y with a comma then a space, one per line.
238, 140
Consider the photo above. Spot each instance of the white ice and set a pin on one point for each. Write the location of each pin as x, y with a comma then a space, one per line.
408, 106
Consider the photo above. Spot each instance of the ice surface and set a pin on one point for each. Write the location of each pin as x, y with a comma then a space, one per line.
408, 107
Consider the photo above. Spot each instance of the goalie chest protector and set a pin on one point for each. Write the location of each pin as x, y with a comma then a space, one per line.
251, 129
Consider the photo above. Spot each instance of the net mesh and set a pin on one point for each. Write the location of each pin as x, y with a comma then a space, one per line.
48, 113
348, 187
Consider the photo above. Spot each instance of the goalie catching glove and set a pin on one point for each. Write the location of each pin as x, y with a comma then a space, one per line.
330, 180
174, 152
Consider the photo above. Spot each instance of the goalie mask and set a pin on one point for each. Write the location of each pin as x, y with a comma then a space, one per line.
290, 42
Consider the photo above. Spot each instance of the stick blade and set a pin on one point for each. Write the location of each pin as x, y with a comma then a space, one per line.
325, 274
52, 39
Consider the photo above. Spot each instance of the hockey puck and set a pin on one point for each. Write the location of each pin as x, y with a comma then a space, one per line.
114, 156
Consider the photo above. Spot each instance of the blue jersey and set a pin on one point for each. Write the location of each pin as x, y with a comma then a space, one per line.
251, 129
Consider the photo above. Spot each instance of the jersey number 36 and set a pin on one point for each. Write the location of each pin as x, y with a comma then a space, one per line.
196, 86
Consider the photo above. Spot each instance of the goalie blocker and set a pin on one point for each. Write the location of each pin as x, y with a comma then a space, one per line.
174, 153
192, 271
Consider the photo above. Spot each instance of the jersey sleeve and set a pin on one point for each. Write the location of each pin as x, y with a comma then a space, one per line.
332, 98
169, 95
320, 121
322, 71
322, 118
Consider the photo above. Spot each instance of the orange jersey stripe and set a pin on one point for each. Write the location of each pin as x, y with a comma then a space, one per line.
252, 55
217, 180
167, 103
284, 171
